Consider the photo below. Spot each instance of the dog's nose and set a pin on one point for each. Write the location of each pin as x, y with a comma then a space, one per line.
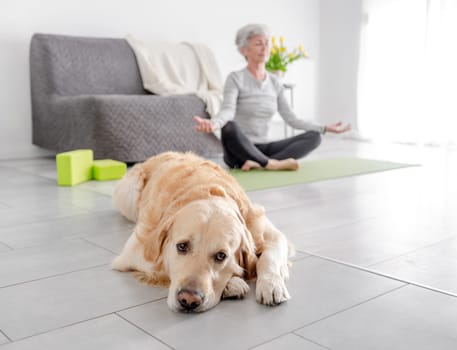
190, 299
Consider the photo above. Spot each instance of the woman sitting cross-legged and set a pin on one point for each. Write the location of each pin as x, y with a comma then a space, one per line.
251, 97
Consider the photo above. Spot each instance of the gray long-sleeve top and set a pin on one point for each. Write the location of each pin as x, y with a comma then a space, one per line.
252, 104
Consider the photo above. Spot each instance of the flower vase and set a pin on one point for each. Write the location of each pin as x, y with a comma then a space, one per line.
279, 74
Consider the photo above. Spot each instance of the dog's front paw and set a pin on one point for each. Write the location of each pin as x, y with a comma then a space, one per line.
284, 272
235, 288
271, 290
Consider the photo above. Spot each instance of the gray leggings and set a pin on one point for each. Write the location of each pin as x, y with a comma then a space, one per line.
238, 149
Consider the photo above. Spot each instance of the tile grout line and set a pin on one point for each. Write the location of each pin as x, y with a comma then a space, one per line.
57, 219
98, 246
7, 246
114, 313
88, 189
307, 256
66, 239
143, 330
350, 307
282, 335
6, 206
52, 276
6, 336
383, 275
141, 304
69, 201
413, 250
26, 172
342, 225
50, 220
58, 328
46, 220
312, 341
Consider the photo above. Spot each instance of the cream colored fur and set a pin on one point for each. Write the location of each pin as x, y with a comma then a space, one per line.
198, 233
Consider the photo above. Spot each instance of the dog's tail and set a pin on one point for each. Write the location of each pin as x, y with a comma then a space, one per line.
128, 191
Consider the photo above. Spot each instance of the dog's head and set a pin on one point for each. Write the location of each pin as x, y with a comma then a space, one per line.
202, 246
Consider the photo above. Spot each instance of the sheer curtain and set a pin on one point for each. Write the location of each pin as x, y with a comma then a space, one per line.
407, 88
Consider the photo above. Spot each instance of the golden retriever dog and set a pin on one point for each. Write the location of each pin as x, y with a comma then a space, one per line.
198, 233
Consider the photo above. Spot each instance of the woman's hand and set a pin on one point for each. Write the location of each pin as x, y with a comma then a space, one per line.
203, 125
337, 128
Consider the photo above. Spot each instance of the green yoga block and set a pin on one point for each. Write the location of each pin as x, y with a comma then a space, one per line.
108, 169
74, 167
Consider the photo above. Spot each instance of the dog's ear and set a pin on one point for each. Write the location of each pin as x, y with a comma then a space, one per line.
155, 240
255, 222
246, 255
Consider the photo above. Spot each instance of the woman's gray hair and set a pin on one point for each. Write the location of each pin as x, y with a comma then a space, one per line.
248, 31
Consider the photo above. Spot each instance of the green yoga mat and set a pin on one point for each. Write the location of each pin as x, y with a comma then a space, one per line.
312, 171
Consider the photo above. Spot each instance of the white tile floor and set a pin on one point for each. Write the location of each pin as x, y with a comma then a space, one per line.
376, 266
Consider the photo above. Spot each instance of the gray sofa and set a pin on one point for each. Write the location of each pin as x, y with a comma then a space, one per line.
88, 93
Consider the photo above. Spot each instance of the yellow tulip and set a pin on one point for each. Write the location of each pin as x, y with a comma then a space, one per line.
281, 57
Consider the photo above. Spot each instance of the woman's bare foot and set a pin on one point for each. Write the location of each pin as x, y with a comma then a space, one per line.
286, 164
250, 164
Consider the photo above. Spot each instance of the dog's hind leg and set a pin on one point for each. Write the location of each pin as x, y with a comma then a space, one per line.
132, 257
128, 191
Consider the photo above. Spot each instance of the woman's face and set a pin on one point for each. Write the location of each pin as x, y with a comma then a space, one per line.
257, 50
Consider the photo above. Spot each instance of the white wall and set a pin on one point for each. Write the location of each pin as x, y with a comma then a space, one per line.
339, 29
211, 22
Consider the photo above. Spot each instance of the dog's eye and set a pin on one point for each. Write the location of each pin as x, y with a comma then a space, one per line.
182, 247
220, 257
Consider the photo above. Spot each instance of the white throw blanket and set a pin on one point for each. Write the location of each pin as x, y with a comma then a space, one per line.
177, 69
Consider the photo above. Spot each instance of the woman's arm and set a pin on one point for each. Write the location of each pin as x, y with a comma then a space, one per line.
227, 111
290, 118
